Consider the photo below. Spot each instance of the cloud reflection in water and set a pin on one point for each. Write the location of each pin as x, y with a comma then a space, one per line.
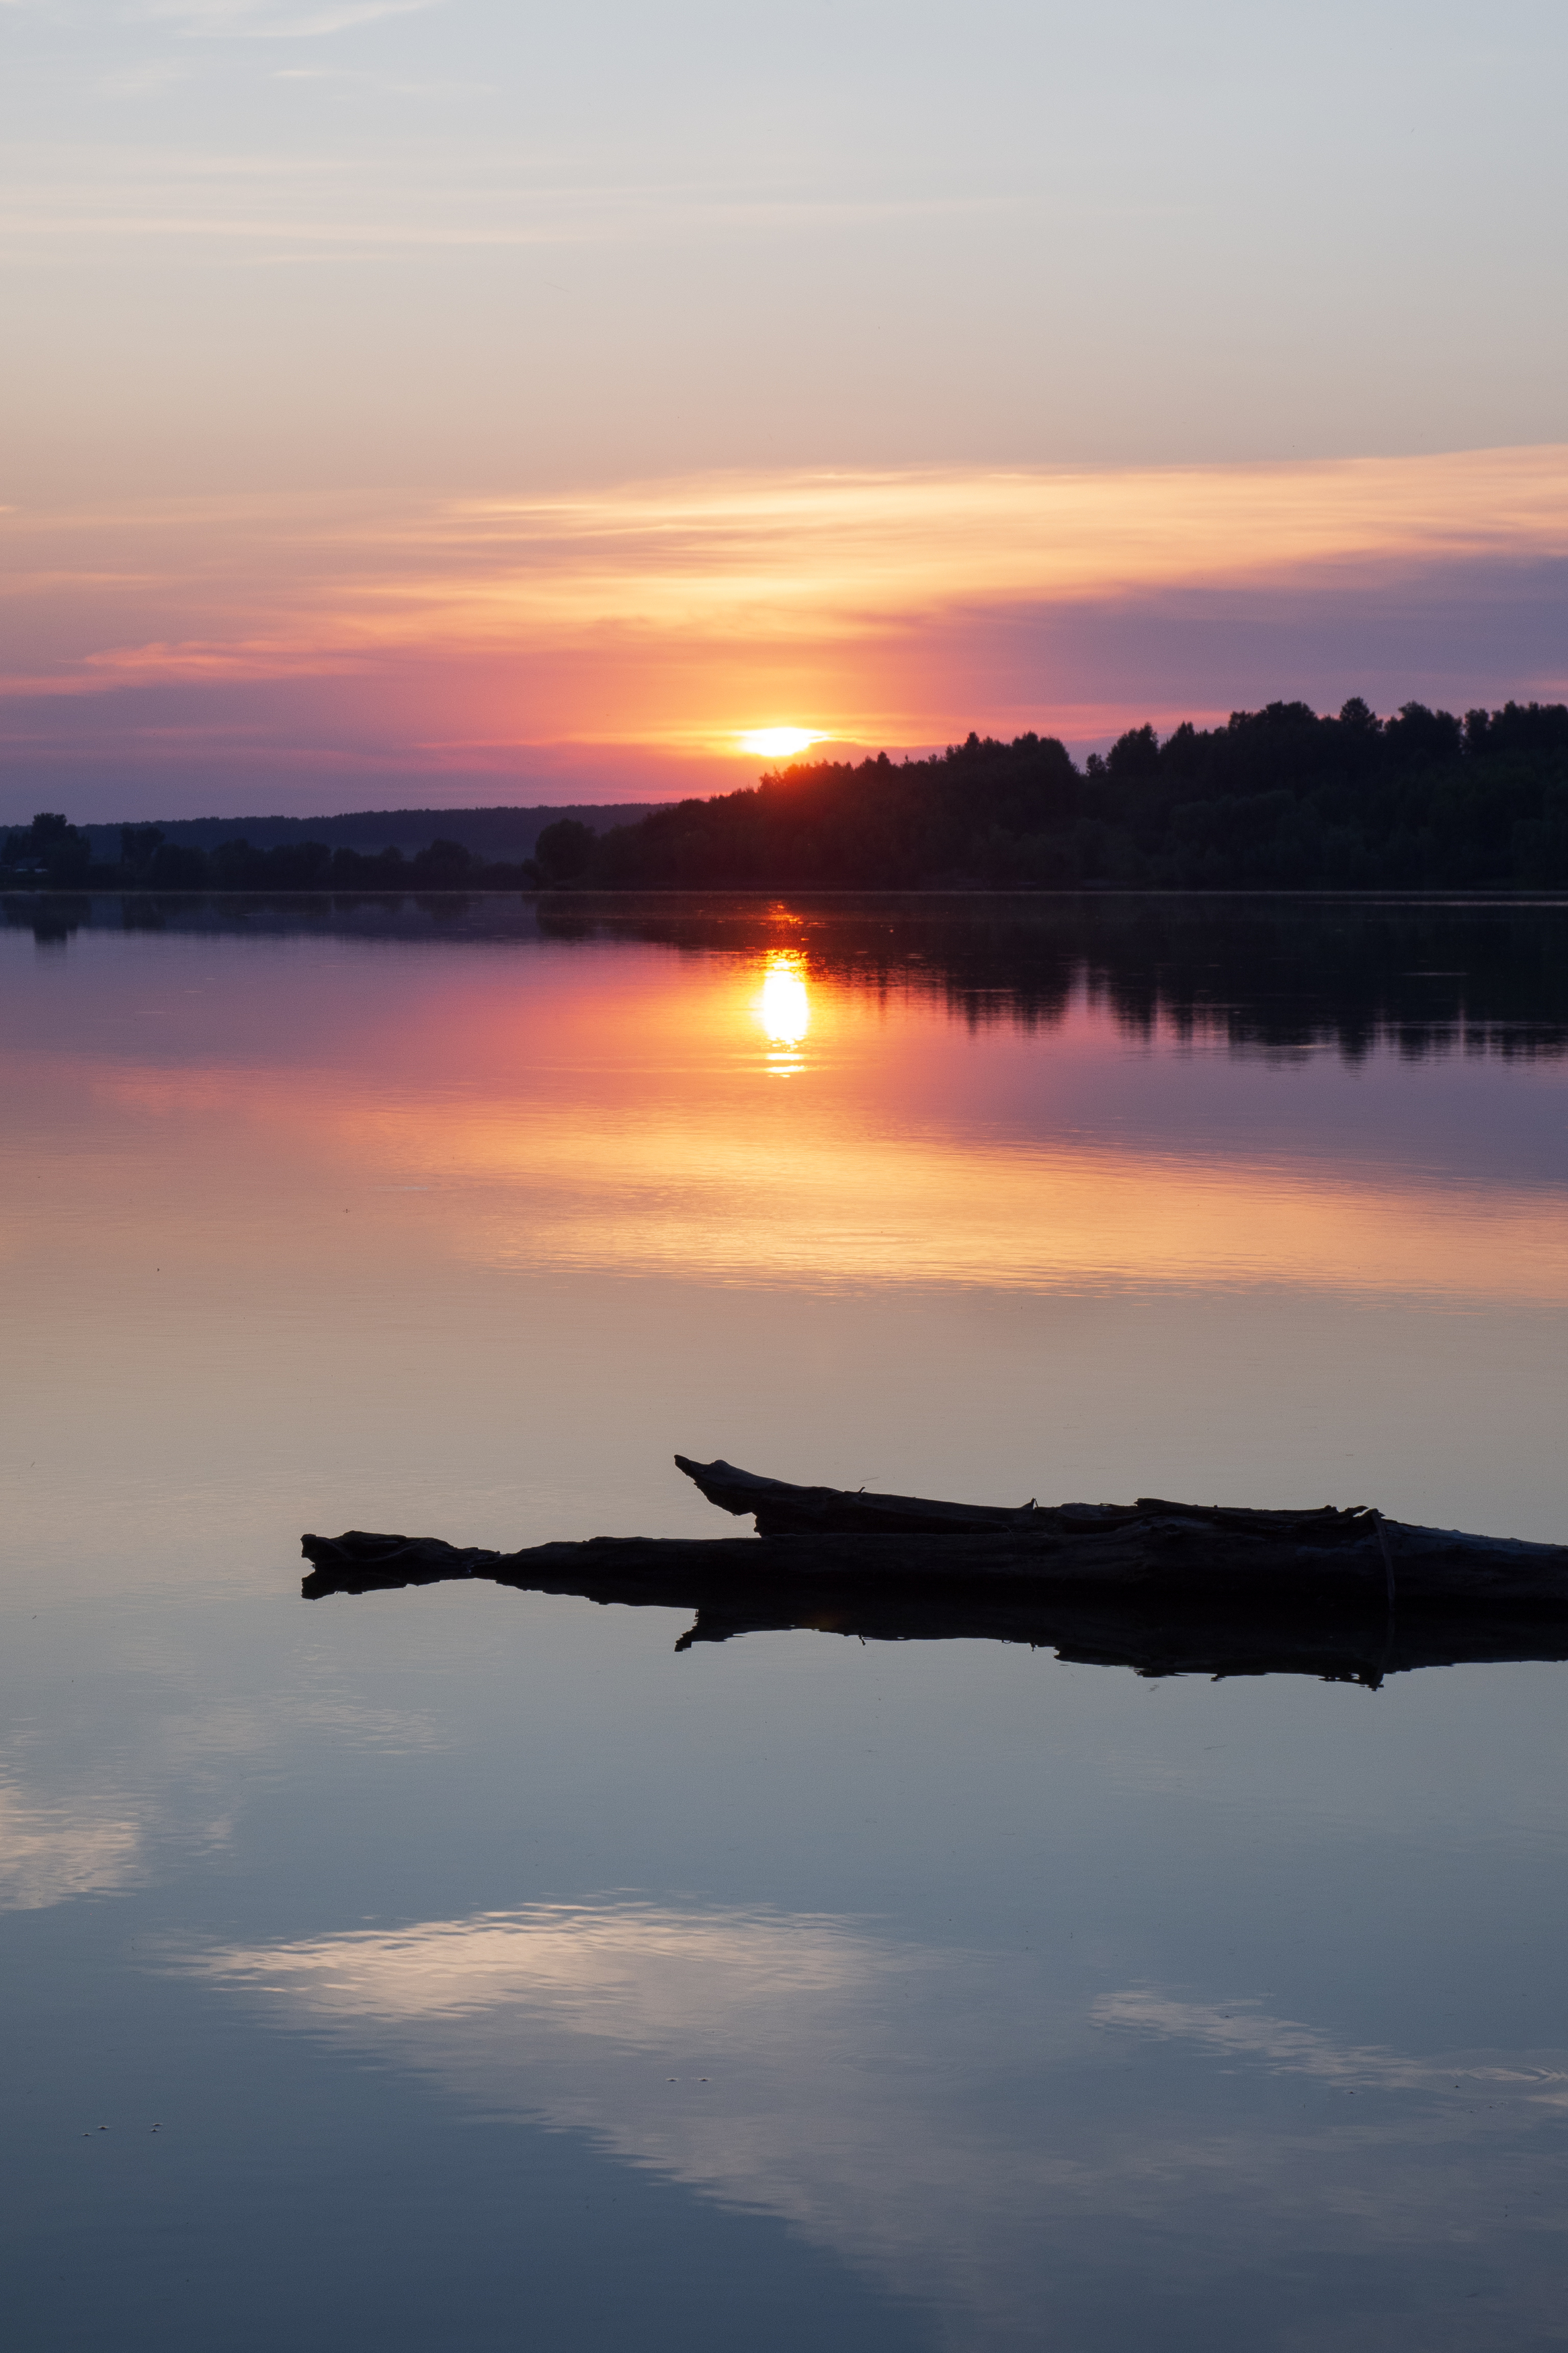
51, 1851
944, 2120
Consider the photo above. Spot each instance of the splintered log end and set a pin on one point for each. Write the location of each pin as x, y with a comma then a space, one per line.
718, 1482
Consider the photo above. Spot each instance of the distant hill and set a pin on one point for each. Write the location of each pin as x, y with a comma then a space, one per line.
503, 834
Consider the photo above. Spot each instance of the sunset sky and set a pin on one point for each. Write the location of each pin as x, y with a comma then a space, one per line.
466, 402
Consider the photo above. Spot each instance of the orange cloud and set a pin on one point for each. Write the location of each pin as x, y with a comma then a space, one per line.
876, 608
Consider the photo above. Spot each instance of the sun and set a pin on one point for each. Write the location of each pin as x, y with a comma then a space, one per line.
775, 742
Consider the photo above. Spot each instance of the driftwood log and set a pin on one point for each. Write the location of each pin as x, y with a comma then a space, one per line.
1164, 1587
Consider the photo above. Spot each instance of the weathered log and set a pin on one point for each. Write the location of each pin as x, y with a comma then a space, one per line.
783, 1510
1166, 1588
741, 1584
1154, 1539
1165, 1555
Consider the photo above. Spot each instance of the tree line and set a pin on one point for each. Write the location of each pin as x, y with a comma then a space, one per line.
1274, 800
52, 853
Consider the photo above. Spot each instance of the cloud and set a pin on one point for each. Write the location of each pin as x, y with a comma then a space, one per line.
803, 552
797, 554
194, 659
66, 202
150, 80
880, 608
263, 20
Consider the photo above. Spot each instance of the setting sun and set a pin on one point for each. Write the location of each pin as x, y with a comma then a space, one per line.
775, 742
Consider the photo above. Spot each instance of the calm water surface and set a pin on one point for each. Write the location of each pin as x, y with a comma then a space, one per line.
467, 1969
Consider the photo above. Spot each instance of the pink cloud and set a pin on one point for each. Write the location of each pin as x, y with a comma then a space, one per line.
181, 656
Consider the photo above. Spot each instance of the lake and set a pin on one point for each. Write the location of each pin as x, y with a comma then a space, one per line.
466, 1967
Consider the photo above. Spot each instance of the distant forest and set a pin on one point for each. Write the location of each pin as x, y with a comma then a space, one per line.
1275, 799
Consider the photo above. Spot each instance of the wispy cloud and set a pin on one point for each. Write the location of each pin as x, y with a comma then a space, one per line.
887, 607
87, 202
801, 550
150, 80
196, 661
875, 546
263, 20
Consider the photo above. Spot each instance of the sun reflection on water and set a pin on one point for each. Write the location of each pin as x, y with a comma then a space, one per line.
782, 1009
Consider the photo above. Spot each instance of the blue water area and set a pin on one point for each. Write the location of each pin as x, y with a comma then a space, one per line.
471, 1966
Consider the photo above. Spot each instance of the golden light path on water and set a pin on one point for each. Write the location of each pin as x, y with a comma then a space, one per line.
1045, 1220
551, 1154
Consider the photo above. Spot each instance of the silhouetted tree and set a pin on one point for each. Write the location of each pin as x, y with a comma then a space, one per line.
138, 846
174, 866
565, 849
51, 845
1274, 800
442, 865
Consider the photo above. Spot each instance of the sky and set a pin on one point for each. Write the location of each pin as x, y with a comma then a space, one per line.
431, 402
